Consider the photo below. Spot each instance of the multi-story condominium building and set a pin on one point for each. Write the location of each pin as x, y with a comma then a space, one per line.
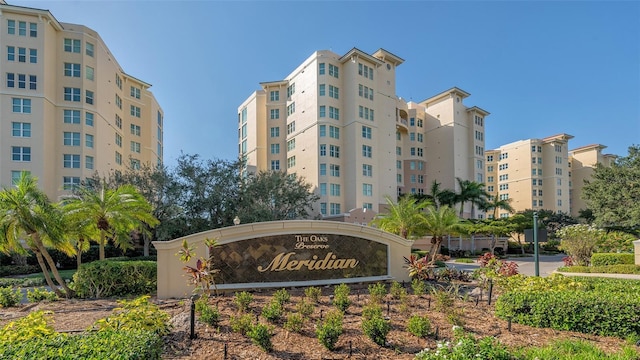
336, 121
582, 162
67, 108
533, 173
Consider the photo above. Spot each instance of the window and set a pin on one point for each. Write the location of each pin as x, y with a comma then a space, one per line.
88, 140
398, 150
558, 171
88, 120
291, 89
291, 144
334, 113
33, 56
334, 92
89, 97
118, 82
323, 189
558, 148
321, 70
479, 135
88, 162
22, 81
70, 182
71, 161
275, 132
118, 121
33, 82
275, 165
275, 148
413, 151
16, 175
366, 151
22, 54
118, 102
413, 178
559, 192
334, 208
72, 70
504, 196
365, 92
275, 114
11, 53
135, 147
367, 170
368, 206
334, 71
490, 179
11, 27
11, 80
135, 111
398, 164
334, 189
365, 71
334, 132
291, 162
366, 132
71, 94
21, 105
503, 177
323, 206
558, 182
71, 138
539, 149
135, 164
291, 108
504, 166
539, 192
118, 158
274, 95
135, 130
334, 151
291, 127
503, 187
479, 150
135, 92
322, 131
559, 202
412, 121
322, 90
399, 178
21, 129
72, 116
88, 50
478, 120
367, 189
490, 188
118, 140
323, 111
21, 153
335, 170
22, 28
323, 169
558, 159
72, 45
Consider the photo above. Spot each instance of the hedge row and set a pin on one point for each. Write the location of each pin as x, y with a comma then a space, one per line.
114, 345
106, 278
8, 270
604, 259
598, 311
611, 269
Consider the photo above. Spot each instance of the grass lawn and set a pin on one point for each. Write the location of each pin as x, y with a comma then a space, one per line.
66, 274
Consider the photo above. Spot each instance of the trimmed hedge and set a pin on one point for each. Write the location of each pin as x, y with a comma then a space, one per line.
8, 270
608, 308
604, 259
106, 278
611, 269
114, 345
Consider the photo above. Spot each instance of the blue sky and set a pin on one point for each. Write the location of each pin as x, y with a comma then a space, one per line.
540, 68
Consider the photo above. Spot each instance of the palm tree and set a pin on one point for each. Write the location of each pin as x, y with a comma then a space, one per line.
471, 191
115, 213
28, 218
404, 218
439, 223
495, 203
79, 231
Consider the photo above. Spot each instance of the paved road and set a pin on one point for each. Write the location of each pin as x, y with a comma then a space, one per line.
526, 265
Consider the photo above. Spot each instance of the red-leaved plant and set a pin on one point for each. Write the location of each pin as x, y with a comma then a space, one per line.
418, 267
202, 276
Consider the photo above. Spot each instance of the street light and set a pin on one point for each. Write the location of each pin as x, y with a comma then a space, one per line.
535, 243
236, 220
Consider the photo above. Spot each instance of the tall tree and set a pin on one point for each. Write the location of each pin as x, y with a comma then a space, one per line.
275, 195
613, 194
495, 203
405, 218
116, 213
470, 191
26, 214
436, 194
440, 223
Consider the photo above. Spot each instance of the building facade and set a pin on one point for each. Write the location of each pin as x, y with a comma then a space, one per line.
582, 163
337, 122
67, 108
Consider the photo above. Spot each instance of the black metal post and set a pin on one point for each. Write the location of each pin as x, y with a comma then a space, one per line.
193, 319
490, 290
509, 323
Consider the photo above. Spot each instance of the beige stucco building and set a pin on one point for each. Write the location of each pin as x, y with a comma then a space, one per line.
582, 163
67, 108
336, 121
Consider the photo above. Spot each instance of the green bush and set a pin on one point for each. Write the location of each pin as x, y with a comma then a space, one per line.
260, 334
370, 311
9, 296
37, 295
341, 297
282, 296
313, 293
466, 347
377, 291
294, 322
8, 270
376, 328
305, 308
273, 310
419, 326
575, 349
243, 300
106, 278
603, 259
465, 260
207, 314
418, 286
35, 325
611, 269
241, 323
136, 314
397, 291
329, 330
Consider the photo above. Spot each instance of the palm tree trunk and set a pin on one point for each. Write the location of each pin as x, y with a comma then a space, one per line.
79, 253
146, 241
68, 292
101, 244
45, 272
435, 249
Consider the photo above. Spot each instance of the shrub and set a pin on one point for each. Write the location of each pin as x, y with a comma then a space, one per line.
397, 291
106, 278
466, 347
313, 293
35, 325
273, 310
443, 300
611, 269
580, 241
9, 296
294, 322
376, 328
282, 296
243, 300
604, 259
616, 241
8, 270
341, 297
241, 323
304, 308
371, 311
465, 261
260, 334
419, 326
418, 286
329, 330
37, 295
377, 292
207, 314
575, 349
136, 314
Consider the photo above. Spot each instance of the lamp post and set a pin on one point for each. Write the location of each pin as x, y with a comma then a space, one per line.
535, 244
236, 220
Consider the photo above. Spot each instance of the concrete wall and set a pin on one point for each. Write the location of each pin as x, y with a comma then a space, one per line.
636, 244
172, 282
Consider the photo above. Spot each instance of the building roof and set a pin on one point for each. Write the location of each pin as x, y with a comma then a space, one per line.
387, 56
266, 84
478, 110
588, 147
453, 90
356, 53
558, 137
31, 11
